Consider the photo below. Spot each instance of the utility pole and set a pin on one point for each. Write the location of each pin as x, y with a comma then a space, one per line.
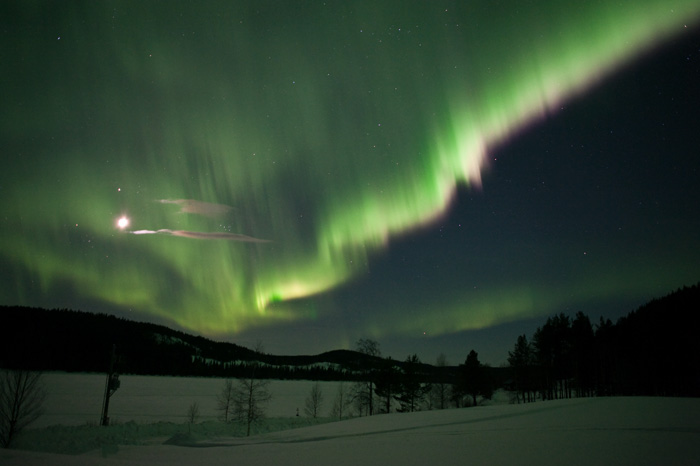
111, 386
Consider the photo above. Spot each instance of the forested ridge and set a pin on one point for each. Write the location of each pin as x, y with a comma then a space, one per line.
76, 341
650, 351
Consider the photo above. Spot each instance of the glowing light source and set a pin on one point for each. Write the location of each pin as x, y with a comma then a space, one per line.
123, 222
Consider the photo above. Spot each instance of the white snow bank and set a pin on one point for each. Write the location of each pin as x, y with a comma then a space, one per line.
605, 431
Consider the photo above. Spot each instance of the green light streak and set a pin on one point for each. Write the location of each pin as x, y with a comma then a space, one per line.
477, 309
328, 140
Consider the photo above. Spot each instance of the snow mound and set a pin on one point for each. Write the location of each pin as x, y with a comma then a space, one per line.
183, 440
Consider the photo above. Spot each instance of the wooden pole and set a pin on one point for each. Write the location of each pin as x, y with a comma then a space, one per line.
108, 386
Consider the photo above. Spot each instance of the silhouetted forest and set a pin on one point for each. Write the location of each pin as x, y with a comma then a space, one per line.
75, 341
651, 351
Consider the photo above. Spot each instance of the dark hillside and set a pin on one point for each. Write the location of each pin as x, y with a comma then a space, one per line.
656, 347
75, 341
653, 351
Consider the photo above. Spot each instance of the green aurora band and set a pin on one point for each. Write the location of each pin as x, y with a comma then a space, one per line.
328, 129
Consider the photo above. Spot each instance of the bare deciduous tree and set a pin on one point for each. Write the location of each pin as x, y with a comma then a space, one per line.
342, 402
440, 390
314, 401
224, 400
251, 395
192, 415
412, 390
363, 391
249, 398
21, 399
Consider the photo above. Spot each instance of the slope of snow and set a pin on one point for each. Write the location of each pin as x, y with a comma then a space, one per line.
620, 431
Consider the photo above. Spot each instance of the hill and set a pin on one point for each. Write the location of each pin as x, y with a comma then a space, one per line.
76, 341
651, 351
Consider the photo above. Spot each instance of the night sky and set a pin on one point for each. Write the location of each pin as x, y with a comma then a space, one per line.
438, 176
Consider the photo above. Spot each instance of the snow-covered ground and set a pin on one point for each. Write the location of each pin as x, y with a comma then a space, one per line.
601, 431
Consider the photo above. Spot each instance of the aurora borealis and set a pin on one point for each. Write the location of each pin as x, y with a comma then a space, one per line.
311, 173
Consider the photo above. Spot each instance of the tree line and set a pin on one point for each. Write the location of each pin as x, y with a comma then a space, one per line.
387, 385
75, 341
651, 351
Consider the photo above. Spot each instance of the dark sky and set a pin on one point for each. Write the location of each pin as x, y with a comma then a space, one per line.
438, 176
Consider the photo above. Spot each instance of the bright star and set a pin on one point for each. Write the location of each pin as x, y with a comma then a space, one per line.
123, 222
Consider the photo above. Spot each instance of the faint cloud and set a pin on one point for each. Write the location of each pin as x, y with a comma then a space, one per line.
201, 235
191, 206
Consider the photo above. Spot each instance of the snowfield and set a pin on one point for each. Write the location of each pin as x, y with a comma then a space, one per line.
600, 431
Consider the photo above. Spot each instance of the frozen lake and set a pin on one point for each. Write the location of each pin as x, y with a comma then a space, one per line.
75, 399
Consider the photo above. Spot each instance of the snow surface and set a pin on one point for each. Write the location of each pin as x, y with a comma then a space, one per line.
601, 431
